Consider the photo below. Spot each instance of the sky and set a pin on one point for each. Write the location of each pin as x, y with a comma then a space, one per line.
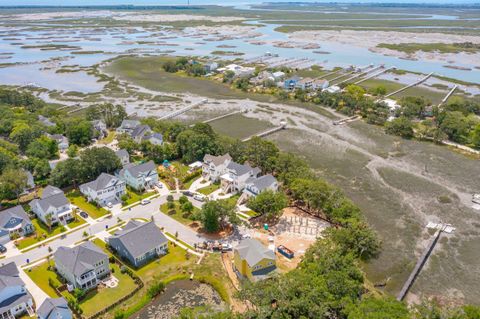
201, 2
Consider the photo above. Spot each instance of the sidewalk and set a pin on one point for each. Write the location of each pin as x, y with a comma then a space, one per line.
38, 295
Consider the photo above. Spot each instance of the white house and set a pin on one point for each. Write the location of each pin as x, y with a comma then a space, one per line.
234, 180
105, 189
320, 84
127, 126
215, 166
256, 185
52, 203
240, 71
15, 300
304, 84
140, 177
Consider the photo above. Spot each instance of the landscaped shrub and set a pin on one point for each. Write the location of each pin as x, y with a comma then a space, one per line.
172, 212
156, 289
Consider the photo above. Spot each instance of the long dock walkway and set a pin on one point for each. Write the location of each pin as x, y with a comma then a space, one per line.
265, 133
418, 267
374, 75
182, 110
410, 85
448, 95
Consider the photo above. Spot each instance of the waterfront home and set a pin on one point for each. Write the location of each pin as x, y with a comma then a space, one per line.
319, 84
139, 242
52, 203
210, 67
127, 126
290, 83
278, 76
256, 185
333, 89
100, 127
15, 300
238, 70
154, 138
82, 266
253, 261
215, 166
105, 189
236, 176
14, 222
140, 176
54, 308
123, 156
61, 140
139, 133
304, 84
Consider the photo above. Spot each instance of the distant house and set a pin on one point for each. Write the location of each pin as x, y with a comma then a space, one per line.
105, 189
30, 182
238, 70
83, 266
140, 176
139, 133
100, 127
123, 156
154, 138
139, 242
304, 84
252, 260
215, 166
54, 308
333, 89
256, 185
290, 83
210, 67
14, 221
45, 121
262, 77
278, 76
236, 176
54, 203
61, 140
320, 84
127, 126
15, 300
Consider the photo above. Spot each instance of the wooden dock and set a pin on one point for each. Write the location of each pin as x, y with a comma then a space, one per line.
182, 110
418, 267
445, 99
371, 76
265, 133
224, 116
360, 74
346, 120
410, 85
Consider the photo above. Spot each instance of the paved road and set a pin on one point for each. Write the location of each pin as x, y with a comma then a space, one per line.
141, 211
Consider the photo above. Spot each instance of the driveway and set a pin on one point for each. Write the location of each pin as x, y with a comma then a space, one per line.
196, 185
38, 294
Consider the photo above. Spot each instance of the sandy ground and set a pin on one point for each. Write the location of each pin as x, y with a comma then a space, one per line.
135, 16
370, 40
235, 31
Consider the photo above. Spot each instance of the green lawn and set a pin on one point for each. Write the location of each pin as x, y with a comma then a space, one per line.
178, 216
40, 275
108, 139
41, 233
169, 264
77, 199
76, 223
209, 189
135, 196
251, 213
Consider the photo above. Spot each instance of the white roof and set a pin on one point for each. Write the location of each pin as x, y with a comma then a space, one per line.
195, 164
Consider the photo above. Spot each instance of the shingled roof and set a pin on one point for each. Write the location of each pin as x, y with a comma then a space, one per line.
253, 251
140, 238
12, 217
79, 259
54, 308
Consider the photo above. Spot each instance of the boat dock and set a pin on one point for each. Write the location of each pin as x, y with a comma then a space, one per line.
346, 120
267, 132
371, 76
360, 74
448, 95
424, 257
221, 117
410, 85
182, 110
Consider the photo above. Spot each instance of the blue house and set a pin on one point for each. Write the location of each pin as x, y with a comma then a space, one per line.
290, 83
139, 242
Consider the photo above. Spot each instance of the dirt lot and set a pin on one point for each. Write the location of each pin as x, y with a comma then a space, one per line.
295, 230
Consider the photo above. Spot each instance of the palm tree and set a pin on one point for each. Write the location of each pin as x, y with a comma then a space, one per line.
48, 220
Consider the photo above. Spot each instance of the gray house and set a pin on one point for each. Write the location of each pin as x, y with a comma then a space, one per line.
14, 221
100, 127
83, 266
139, 242
256, 185
54, 308
154, 138
141, 176
53, 203
123, 156
127, 126
15, 299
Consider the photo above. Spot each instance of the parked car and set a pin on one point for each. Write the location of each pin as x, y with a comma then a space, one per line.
83, 214
3, 249
199, 197
145, 201
188, 193
226, 247
159, 185
110, 205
